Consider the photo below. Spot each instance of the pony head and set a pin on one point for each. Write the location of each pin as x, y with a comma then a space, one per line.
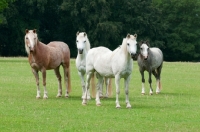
30, 40
131, 44
144, 49
82, 42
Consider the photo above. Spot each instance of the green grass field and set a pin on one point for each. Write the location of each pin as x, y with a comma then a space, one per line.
175, 109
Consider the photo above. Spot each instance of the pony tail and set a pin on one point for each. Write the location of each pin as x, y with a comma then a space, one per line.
93, 85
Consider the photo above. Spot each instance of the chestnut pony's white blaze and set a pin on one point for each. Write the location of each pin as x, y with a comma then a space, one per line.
45, 57
112, 64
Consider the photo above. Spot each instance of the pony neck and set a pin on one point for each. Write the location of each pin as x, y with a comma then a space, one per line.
87, 45
124, 48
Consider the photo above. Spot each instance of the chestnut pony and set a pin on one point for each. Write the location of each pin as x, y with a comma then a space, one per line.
45, 57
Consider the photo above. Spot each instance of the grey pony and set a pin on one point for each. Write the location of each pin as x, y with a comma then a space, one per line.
150, 60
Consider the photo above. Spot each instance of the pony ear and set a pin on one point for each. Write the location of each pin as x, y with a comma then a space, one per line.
141, 42
34, 30
135, 35
26, 31
128, 35
77, 33
85, 34
147, 42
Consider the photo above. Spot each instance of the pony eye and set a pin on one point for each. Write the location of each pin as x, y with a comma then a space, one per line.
128, 44
26, 37
76, 41
85, 41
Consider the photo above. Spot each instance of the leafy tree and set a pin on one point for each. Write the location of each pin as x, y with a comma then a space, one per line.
181, 19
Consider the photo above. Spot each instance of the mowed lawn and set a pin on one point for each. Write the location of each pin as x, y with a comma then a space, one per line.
176, 108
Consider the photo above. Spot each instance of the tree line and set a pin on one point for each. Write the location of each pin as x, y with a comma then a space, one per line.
171, 25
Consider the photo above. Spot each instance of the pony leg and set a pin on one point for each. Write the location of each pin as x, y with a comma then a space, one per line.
82, 82
57, 72
126, 83
67, 78
100, 83
150, 81
88, 77
107, 82
35, 73
158, 79
117, 83
143, 81
44, 83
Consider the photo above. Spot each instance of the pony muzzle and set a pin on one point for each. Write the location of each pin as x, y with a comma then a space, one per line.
133, 55
31, 49
145, 57
80, 51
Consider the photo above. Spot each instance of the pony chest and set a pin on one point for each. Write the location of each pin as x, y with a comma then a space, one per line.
81, 65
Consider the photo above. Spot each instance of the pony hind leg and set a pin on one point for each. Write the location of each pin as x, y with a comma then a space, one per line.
44, 83
57, 73
35, 73
158, 82
67, 79
99, 88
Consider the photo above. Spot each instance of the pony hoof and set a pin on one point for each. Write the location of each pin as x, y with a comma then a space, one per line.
143, 93
118, 106
58, 96
98, 104
37, 97
88, 98
84, 104
150, 93
157, 92
45, 97
128, 106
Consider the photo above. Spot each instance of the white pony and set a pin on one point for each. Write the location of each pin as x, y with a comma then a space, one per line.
117, 64
83, 46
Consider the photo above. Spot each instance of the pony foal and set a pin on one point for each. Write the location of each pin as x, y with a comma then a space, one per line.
151, 60
45, 57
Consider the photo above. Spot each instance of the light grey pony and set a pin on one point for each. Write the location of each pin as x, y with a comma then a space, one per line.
151, 60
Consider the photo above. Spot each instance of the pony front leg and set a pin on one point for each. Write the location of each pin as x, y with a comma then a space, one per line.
82, 83
117, 83
35, 73
126, 83
88, 78
143, 81
150, 81
44, 83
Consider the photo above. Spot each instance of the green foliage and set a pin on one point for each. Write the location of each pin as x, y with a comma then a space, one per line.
171, 25
182, 32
